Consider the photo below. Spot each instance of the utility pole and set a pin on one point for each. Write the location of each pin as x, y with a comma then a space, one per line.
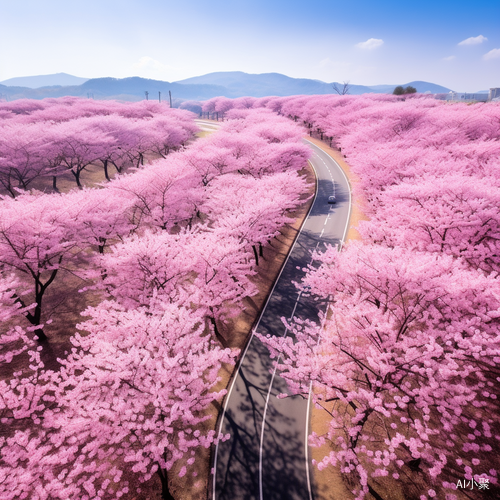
147, 95
170, 97
159, 96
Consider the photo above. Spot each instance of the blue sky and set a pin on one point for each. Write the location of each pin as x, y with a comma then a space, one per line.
453, 43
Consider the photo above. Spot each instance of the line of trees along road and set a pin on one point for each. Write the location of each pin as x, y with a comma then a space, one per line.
405, 363
165, 254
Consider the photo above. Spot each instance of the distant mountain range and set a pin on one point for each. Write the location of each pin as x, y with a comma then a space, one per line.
35, 82
229, 84
242, 84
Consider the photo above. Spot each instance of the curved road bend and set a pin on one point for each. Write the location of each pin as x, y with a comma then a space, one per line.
208, 126
266, 457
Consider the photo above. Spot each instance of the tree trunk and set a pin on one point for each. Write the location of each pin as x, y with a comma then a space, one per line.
374, 494
36, 318
77, 177
165, 490
218, 335
105, 163
102, 244
41, 337
54, 183
118, 169
8, 185
256, 255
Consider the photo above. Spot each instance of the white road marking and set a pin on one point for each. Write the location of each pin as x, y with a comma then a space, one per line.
306, 446
261, 446
262, 429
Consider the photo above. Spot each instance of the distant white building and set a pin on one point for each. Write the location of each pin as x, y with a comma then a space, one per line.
494, 94
467, 97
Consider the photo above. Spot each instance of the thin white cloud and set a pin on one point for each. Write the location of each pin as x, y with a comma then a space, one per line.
492, 54
147, 62
473, 40
147, 67
449, 58
327, 63
370, 44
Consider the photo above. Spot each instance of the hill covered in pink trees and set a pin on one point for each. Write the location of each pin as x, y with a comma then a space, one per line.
163, 255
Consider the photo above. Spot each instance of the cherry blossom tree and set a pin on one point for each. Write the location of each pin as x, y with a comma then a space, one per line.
218, 106
130, 397
167, 134
34, 242
121, 140
81, 144
97, 218
140, 383
23, 387
21, 156
149, 267
193, 106
164, 195
222, 277
408, 339
452, 214
22, 106
209, 270
212, 160
72, 133
238, 205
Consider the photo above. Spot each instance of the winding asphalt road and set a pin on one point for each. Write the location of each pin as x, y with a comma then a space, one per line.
267, 457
